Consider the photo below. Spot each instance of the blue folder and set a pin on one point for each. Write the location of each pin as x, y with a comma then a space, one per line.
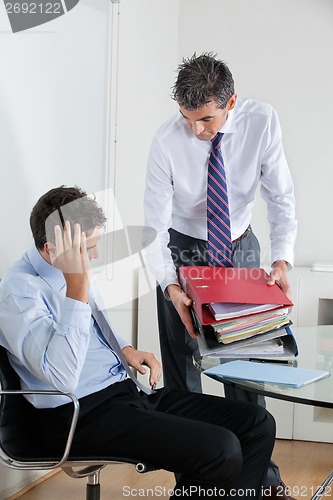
271, 373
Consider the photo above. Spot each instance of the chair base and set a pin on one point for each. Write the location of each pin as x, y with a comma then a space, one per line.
93, 492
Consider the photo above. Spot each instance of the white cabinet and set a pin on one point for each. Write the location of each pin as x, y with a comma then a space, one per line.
315, 307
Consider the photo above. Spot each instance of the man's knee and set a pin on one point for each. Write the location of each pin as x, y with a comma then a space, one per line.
263, 421
270, 425
221, 457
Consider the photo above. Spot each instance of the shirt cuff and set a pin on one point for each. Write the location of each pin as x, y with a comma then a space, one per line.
76, 313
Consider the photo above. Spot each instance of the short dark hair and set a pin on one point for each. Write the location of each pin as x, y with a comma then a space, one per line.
202, 79
61, 204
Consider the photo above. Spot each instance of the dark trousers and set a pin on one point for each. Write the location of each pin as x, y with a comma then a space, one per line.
210, 443
177, 347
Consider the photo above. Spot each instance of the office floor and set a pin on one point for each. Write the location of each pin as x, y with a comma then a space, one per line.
303, 465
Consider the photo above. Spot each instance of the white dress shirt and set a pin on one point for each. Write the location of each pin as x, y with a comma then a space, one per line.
176, 184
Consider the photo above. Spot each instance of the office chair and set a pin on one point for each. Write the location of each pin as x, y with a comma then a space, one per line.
22, 448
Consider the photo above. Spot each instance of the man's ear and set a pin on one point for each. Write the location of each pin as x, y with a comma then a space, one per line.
232, 102
49, 252
49, 247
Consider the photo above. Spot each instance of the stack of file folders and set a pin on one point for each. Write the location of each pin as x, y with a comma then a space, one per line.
237, 315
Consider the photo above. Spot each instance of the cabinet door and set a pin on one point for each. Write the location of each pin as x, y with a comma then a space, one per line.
315, 307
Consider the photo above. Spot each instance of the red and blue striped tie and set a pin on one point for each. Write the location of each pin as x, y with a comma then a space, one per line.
218, 219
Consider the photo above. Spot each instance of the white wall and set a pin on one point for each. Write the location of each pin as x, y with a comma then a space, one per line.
147, 56
54, 122
52, 125
54, 103
61, 105
280, 51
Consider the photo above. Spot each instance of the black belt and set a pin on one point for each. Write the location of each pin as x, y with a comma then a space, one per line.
244, 235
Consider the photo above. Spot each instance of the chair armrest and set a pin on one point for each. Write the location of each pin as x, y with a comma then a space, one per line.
16, 464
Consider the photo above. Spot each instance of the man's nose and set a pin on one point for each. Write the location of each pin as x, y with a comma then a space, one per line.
94, 253
197, 128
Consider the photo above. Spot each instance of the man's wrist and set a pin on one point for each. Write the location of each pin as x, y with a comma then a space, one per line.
281, 263
77, 286
172, 290
126, 347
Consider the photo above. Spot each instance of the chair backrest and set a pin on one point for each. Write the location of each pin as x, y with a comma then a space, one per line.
18, 420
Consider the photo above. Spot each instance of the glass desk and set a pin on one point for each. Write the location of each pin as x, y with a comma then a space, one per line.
316, 351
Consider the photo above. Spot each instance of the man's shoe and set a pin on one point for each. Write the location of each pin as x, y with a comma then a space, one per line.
277, 492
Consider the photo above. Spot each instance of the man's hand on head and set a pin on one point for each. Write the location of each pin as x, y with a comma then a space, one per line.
70, 256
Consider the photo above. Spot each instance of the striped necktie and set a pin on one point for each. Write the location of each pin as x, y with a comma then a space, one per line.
218, 219
109, 337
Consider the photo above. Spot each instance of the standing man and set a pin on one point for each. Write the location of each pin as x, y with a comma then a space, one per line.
175, 201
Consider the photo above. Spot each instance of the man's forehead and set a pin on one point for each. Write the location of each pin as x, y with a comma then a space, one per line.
206, 111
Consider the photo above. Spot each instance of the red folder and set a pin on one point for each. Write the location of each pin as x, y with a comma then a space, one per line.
205, 285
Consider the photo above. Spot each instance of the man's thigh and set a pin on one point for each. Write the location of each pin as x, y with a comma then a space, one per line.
158, 429
237, 416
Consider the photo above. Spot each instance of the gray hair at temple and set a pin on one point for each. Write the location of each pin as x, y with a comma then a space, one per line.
202, 79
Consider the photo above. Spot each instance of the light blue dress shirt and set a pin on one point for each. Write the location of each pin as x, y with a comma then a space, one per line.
52, 340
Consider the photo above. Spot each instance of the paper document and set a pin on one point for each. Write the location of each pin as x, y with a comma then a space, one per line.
226, 310
284, 347
266, 372
248, 332
274, 346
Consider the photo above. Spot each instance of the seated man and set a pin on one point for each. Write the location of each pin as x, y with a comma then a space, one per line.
50, 327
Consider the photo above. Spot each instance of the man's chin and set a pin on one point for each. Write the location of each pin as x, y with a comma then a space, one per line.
206, 137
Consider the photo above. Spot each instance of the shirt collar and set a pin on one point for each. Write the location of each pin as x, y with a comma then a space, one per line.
48, 273
229, 127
